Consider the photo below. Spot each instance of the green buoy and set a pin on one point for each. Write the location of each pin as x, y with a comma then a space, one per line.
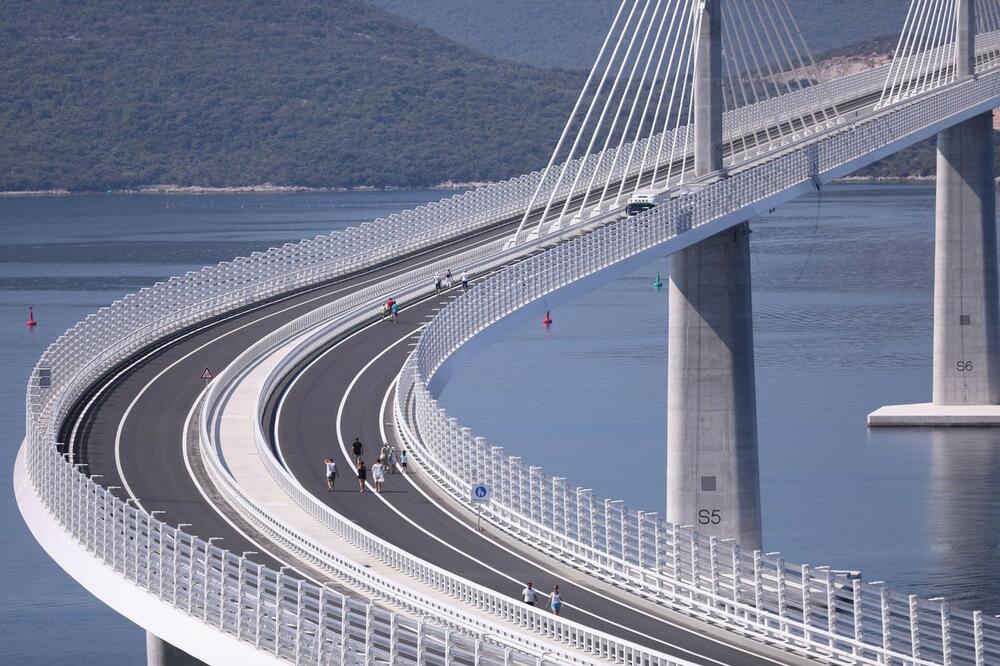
659, 283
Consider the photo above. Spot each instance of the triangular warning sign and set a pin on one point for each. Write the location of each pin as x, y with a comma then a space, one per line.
206, 374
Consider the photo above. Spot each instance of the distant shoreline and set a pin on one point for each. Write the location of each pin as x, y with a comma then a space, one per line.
285, 189
241, 189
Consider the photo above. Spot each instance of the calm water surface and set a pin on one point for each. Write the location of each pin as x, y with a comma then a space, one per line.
68, 256
842, 297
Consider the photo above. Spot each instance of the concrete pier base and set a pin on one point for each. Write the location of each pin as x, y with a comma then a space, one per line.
966, 303
712, 469
161, 653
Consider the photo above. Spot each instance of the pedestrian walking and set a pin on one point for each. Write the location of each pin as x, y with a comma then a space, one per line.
529, 595
448, 278
387, 308
465, 281
386, 454
555, 601
437, 283
331, 473
395, 312
403, 455
358, 449
362, 476
378, 475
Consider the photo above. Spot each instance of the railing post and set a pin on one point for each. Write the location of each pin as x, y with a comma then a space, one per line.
758, 587
914, 626
259, 620
298, 622
858, 616
345, 633
779, 570
886, 622
806, 603
977, 630
713, 564
831, 604
945, 634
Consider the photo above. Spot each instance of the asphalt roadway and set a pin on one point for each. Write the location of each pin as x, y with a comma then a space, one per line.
340, 393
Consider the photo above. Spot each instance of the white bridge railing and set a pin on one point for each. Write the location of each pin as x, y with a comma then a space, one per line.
810, 610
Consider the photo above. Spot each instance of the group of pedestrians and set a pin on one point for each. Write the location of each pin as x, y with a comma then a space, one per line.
447, 281
384, 464
530, 596
390, 309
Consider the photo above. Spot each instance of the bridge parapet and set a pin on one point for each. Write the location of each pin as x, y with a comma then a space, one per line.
810, 610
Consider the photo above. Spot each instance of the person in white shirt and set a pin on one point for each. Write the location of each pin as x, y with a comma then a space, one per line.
331, 473
378, 475
465, 281
529, 595
555, 600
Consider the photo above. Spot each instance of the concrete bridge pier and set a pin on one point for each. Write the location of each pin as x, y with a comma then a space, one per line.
966, 304
161, 653
712, 470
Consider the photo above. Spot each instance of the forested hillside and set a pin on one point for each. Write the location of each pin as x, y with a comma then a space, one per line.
112, 93
568, 33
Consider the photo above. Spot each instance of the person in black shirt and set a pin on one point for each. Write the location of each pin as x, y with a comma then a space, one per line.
358, 448
362, 476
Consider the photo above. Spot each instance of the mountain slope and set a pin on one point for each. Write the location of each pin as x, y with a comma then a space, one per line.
568, 33
111, 94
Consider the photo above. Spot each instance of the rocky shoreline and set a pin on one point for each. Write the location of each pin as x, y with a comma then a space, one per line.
242, 189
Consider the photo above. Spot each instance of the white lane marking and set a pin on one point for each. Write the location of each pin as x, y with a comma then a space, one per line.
343, 447
501, 546
187, 463
325, 294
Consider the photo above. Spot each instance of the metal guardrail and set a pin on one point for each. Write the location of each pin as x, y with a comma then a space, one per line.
809, 610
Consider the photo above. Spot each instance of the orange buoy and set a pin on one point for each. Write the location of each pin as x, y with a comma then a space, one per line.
547, 320
31, 323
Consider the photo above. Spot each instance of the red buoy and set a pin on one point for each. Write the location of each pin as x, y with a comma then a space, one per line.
31, 323
547, 320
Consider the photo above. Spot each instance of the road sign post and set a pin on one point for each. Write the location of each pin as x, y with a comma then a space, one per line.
479, 494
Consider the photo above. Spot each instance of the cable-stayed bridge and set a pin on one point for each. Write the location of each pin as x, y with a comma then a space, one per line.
195, 508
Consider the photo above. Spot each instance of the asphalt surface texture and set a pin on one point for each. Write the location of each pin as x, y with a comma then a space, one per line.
338, 394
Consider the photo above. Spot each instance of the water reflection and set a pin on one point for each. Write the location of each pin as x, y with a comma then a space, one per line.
964, 516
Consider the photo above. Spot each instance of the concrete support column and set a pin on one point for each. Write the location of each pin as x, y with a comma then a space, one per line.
712, 470
161, 653
712, 473
966, 305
